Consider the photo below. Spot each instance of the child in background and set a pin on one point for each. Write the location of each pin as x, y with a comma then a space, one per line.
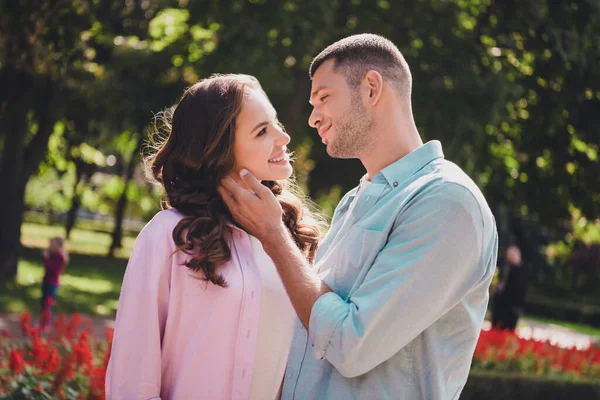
55, 261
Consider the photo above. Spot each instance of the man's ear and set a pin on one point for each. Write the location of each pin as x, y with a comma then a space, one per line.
373, 86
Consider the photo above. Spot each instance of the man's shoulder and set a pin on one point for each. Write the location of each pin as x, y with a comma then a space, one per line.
446, 183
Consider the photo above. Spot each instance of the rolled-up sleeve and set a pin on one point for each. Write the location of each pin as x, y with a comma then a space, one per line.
134, 370
432, 259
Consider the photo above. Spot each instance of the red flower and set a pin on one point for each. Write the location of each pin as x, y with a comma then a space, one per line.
82, 354
70, 330
66, 372
109, 333
38, 350
25, 321
97, 382
59, 327
52, 362
16, 362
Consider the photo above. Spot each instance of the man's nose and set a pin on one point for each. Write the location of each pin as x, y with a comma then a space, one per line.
314, 119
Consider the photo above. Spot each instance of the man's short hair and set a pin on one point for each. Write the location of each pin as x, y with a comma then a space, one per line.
356, 55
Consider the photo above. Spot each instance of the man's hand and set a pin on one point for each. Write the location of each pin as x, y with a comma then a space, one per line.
259, 213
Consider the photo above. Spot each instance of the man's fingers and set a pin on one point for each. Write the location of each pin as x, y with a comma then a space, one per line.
226, 196
253, 183
236, 192
231, 185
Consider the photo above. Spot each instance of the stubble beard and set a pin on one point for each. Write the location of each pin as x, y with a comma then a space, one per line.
355, 130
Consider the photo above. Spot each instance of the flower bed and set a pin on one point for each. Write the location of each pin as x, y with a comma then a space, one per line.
70, 363
66, 363
503, 351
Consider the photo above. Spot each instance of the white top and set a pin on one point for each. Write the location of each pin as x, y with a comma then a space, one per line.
275, 329
364, 182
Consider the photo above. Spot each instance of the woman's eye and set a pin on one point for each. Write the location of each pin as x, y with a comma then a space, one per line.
263, 131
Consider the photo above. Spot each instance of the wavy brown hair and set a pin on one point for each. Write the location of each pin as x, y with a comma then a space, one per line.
192, 158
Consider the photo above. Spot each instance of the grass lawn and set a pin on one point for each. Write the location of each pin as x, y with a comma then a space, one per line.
90, 284
82, 241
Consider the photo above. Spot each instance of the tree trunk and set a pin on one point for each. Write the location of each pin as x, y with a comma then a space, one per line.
11, 178
117, 235
19, 161
72, 213
75, 201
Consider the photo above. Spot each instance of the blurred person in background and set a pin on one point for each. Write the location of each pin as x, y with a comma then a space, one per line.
511, 290
56, 259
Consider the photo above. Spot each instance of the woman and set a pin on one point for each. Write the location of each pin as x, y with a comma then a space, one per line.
203, 313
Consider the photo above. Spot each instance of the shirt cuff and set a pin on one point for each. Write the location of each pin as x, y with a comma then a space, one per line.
328, 312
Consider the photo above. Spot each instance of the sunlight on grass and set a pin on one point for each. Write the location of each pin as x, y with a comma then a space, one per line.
89, 285
81, 241
29, 273
86, 284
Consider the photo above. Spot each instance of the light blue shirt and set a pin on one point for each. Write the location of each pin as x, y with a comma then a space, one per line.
410, 271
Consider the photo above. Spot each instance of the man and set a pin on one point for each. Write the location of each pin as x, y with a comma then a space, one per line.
395, 302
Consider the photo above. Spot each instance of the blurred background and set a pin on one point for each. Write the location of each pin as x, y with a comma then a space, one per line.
511, 89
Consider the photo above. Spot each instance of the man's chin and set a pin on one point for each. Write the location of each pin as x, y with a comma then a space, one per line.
334, 152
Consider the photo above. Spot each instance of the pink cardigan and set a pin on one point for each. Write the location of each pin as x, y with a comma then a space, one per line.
177, 337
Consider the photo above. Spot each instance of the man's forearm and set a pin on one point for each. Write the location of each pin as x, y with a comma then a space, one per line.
301, 283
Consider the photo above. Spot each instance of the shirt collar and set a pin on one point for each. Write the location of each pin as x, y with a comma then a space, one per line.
408, 165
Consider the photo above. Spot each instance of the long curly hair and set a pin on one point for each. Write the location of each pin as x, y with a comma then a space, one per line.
191, 155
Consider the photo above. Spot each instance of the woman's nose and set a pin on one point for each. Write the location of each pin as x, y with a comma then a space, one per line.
283, 138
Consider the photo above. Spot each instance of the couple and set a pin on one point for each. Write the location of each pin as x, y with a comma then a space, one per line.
226, 296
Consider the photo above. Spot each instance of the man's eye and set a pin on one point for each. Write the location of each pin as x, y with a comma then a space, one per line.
324, 97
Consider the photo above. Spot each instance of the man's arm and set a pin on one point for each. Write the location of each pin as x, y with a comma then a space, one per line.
259, 213
302, 284
431, 261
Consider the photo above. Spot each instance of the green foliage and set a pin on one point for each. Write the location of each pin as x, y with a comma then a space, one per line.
510, 89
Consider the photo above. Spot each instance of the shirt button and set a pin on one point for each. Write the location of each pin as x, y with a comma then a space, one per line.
395, 184
252, 295
248, 334
244, 373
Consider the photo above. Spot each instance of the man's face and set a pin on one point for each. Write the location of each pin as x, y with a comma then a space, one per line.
339, 115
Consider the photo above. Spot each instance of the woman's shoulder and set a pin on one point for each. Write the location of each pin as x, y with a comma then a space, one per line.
162, 224
164, 219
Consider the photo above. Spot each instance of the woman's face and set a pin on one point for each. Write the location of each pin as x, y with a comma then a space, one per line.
260, 142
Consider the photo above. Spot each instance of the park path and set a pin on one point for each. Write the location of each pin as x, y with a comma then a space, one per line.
527, 329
